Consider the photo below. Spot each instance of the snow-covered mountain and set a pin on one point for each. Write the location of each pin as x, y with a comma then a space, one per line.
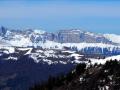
74, 39
21, 38
31, 37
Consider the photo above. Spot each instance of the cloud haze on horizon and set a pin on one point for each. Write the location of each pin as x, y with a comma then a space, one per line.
96, 16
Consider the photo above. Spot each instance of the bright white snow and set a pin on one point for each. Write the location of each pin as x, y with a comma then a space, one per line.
113, 37
103, 61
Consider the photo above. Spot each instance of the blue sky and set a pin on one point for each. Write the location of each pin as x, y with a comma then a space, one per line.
100, 16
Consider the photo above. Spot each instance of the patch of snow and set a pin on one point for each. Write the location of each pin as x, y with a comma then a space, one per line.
8, 49
34, 57
23, 49
68, 51
39, 51
78, 61
6, 52
11, 58
117, 57
103, 61
63, 62
76, 56
48, 61
39, 31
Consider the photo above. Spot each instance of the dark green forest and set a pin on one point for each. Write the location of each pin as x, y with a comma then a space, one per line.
83, 77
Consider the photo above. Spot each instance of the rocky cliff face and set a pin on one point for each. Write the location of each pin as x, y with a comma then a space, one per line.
78, 36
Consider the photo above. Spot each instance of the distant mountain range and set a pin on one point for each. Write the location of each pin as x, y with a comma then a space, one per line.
31, 37
74, 39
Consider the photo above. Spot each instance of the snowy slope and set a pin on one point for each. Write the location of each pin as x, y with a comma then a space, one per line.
103, 61
113, 37
38, 31
20, 41
22, 38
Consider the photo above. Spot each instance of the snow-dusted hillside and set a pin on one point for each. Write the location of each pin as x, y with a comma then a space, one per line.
113, 37
52, 56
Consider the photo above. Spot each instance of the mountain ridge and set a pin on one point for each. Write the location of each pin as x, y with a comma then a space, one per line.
74, 39
30, 37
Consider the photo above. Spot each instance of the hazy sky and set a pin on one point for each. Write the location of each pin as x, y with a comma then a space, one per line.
102, 16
